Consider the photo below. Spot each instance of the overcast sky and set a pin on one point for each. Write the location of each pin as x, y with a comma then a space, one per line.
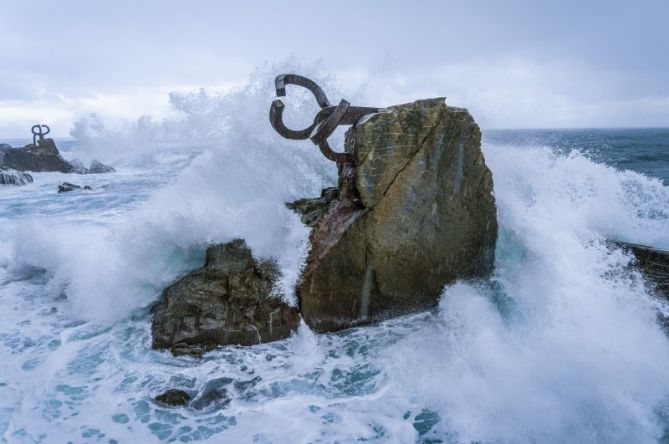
514, 64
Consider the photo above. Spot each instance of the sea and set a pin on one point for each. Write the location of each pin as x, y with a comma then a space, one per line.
561, 345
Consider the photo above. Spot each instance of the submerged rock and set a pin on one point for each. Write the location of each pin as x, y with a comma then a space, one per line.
67, 187
653, 263
415, 212
78, 167
9, 176
98, 167
174, 397
231, 300
43, 156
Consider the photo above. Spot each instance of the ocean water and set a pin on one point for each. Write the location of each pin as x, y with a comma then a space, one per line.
562, 345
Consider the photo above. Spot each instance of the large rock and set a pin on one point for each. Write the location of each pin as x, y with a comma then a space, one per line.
9, 176
43, 156
415, 212
231, 300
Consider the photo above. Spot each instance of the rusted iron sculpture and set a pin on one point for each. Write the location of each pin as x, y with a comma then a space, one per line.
38, 131
325, 122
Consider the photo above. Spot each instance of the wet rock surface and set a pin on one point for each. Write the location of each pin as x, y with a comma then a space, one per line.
66, 187
231, 300
44, 156
415, 212
98, 167
653, 263
174, 398
10, 176
312, 210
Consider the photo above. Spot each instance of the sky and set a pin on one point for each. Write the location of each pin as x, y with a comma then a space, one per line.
513, 64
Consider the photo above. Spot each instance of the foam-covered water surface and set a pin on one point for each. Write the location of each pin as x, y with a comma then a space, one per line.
562, 345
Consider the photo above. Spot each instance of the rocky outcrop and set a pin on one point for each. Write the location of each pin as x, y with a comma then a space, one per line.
98, 167
311, 210
415, 212
653, 263
174, 398
231, 300
66, 187
9, 176
43, 156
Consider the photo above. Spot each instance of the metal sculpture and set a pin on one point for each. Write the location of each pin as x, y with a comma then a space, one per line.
38, 131
325, 122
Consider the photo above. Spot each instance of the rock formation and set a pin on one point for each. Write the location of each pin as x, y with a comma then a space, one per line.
231, 300
43, 156
415, 212
66, 187
98, 167
653, 263
9, 176
174, 398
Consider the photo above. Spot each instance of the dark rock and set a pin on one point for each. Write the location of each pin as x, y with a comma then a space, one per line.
415, 212
231, 300
78, 167
98, 167
67, 186
41, 157
653, 263
214, 394
174, 398
9, 176
312, 210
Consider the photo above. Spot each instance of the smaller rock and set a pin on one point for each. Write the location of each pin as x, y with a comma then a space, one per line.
98, 167
214, 394
78, 167
67, 186
9, 176
229, 301
174, 398
311, 210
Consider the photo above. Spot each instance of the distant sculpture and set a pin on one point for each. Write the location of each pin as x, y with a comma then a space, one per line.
325, 122
38, 130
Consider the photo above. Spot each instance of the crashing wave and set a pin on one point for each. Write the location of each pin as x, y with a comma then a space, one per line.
9, 176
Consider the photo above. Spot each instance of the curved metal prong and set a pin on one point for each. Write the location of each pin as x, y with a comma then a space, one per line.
276, 120
332, 155
293, 79
327, 126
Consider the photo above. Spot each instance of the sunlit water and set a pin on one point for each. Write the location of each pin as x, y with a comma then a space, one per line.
561, 346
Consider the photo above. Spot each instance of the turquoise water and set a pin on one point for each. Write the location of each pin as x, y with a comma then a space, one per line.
561, 346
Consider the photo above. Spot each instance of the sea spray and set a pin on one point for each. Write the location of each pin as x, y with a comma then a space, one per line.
235, 188
563, 344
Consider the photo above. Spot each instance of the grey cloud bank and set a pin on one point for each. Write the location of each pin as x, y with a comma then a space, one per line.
513, 64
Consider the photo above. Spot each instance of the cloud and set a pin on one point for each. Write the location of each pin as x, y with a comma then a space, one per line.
514, 64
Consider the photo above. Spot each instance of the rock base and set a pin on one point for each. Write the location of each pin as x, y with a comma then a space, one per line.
229, 301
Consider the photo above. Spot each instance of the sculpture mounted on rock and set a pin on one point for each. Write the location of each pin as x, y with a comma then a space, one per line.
414, 209
38, 131
326, 121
